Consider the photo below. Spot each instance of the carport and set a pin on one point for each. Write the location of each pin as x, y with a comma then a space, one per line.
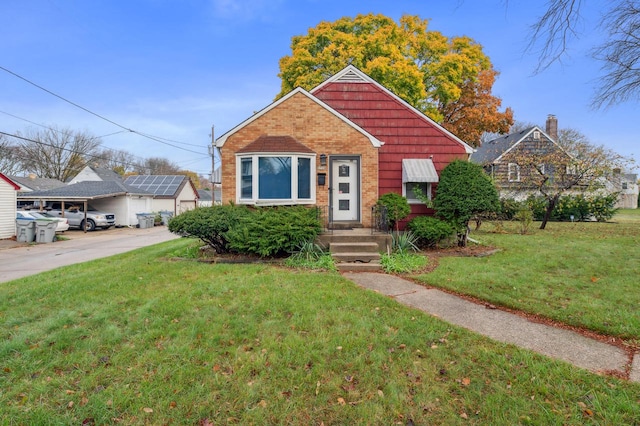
113, 195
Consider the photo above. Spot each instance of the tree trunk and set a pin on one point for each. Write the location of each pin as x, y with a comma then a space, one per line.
547, 215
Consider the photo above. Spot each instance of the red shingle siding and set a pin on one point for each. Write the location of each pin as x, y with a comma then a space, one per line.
405, 133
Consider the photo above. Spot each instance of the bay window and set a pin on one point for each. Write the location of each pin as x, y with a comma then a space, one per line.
271, 179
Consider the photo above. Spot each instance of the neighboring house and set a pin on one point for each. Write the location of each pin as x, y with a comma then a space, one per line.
111, 196
173, 193
96, 174
502, 157
205, 198
8, 191
626, 185
33, 183
339, 146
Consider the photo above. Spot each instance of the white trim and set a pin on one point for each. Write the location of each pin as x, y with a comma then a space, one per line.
517, 172
416, 201
364, 78
255, 175
222, 139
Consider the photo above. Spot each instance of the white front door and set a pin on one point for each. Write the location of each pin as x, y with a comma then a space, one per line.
345, 189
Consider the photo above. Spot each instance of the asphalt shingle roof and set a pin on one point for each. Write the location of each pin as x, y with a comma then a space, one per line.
489, 151
88, 189
37, 184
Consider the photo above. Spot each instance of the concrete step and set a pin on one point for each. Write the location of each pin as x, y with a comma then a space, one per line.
350, 247
383, 240
356, 257
372, 266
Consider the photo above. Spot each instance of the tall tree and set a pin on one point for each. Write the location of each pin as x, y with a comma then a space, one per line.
120, 161
436, 74
157, 166
619, 52
10, 163
57, 153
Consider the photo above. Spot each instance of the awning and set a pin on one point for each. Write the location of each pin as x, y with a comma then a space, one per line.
418, 170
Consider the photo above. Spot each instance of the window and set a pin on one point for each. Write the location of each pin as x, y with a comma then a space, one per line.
513, 172
536, 135
409, 191
276, 179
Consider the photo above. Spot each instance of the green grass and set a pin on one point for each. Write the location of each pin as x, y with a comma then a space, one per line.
140, 339
582, 274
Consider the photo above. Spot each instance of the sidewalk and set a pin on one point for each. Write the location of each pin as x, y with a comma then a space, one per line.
558, 343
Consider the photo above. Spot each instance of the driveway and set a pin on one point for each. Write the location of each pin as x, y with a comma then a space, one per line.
20, 260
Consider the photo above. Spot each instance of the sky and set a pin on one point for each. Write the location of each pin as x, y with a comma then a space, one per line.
175, 68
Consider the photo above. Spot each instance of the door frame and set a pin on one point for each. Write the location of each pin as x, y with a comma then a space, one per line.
358, 181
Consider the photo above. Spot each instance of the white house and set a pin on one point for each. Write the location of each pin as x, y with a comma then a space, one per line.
8, 191
173, 193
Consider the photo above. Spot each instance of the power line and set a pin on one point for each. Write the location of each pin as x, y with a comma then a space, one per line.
151, 137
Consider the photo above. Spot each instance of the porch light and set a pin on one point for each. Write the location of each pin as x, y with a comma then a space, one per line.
323, 160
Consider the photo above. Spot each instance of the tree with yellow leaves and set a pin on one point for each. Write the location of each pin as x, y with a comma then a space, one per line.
436, 74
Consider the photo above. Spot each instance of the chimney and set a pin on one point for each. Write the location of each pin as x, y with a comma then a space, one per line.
552, 127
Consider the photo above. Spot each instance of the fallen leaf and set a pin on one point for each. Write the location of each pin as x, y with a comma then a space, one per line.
69, 392
70, 405
263, 403
587, 413
402, 346
466, 381
172, 404
339, 348
317, 388
594, 279
464, 415
380, 393
341, 401
84, 401
147, 410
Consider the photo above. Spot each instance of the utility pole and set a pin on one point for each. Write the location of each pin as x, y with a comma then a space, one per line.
213, 164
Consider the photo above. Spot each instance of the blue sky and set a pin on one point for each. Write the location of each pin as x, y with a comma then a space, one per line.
174, 68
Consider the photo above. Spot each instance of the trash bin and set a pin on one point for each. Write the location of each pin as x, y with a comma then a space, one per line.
46, 230
26, 230
166, 216
145, 220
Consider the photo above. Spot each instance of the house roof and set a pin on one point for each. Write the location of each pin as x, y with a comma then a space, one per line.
36, 184
9, 181
162, 186
275, 144
386, 112
205, 195
492, 150
222, 139
86, 190
106, 174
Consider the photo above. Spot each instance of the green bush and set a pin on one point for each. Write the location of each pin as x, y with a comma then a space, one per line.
272, 231
430, 230
581, 207
603, 208
210, 224
397, 207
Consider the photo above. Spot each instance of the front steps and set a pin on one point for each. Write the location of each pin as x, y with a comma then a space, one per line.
356, 250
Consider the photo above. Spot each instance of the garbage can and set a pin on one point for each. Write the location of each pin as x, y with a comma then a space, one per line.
46, 230
26, 230
143, 220
151, 221
166, 216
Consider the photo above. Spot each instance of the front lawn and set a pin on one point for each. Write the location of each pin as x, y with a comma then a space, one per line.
140, 339
582, 274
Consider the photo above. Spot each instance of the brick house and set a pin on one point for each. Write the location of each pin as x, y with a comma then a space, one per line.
340, 145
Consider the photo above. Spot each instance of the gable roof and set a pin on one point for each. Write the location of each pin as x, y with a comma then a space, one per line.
492, 151
162, 186
36, 184
9, 181
205, 195
275, 144
386, 101
106, 174
222, 139
87, 190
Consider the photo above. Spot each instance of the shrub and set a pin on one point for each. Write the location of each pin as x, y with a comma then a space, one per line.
209, 224
603, 208
397, 207
272, 231
430, 230
579, 206
525, 217
403, 242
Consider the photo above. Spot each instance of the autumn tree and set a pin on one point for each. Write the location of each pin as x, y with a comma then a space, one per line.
56, 153
438, 75
120, 161
157, 166
571, 165
619, 52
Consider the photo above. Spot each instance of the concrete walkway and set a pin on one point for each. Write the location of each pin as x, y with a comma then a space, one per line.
505, 327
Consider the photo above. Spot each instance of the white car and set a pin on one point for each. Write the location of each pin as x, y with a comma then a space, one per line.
63, 222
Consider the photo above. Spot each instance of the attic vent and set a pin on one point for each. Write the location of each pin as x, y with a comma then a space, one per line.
536, 135
350, 77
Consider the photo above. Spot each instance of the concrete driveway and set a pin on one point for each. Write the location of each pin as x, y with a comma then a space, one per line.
20, 260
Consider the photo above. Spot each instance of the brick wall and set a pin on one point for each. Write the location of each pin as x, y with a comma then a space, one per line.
319, 130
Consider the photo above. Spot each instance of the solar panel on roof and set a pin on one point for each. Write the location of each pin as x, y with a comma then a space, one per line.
157, 184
